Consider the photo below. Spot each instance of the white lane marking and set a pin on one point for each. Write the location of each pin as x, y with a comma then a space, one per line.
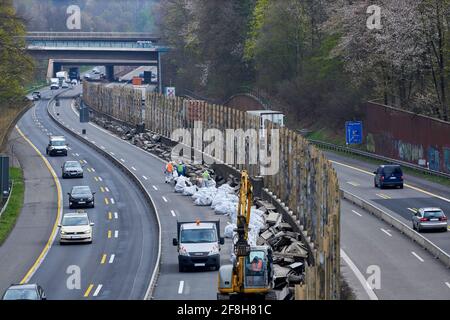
97, 291
165, 199
106, 188
353, 183
359, 275
122, 160
116, 234
413, 210
100, 179
447, 284
173, 213
406, 185
77, 154
133, 168
116, 215
385, 231
93, 141
112, 200
111, 259
93, 170
154, 187
112, 153
381, 195
357, 213
102, 147
145, 178
417, 256
180, 287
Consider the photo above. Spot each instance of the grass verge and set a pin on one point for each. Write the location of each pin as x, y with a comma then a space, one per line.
9, 217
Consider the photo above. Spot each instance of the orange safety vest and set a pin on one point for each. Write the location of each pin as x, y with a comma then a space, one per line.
169, 167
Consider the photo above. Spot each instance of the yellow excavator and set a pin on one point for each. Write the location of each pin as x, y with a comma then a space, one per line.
250, 276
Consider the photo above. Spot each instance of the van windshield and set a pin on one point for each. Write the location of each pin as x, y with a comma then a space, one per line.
198, 236
58, 143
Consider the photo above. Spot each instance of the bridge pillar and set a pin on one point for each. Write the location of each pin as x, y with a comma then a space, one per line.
109, 73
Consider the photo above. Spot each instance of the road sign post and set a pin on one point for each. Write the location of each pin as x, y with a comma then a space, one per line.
170, 92
353, 132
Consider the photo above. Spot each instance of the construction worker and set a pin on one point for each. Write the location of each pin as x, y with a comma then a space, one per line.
181, 169
169, 172
206, 177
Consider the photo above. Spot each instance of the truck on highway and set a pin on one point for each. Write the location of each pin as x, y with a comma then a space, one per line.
198, 244
63, 76
54, 83
276, 117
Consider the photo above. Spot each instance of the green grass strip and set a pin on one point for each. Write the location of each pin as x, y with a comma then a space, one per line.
9, 217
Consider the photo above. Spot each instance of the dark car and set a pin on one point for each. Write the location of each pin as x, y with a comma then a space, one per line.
72, 169
36, 95
81, 197
24, 292
388, 176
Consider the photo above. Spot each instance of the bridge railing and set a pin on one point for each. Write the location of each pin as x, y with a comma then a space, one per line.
93, 36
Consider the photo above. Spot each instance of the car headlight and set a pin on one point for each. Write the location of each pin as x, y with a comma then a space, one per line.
214, 250
63, 232
87, 232
183, 251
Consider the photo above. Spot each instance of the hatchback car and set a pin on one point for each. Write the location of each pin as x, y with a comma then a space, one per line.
81, 197
388, 176
72, 169
429, 219
24, 292
75, 227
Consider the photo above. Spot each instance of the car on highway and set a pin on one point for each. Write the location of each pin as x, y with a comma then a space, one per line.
57, 146
388, 176
36, 95
198, 244
72, 169
24, 292
65, 85
429, 219
76, 227
81, 197
74, 82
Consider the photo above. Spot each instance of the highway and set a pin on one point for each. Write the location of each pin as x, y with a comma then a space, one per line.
171, 285
119, 263
356, 177
366, 241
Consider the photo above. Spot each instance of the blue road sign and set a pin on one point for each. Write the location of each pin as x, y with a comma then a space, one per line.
353, 132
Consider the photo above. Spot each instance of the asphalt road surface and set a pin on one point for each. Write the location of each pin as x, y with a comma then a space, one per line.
119, 263
171, 285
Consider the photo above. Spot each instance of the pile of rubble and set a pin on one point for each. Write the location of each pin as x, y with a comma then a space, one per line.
289, 252
266, 226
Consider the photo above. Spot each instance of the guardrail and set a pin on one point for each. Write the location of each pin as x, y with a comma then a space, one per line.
437, 252
331, 146
135, 179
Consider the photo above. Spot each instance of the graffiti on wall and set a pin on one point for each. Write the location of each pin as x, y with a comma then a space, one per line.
447, 159
433, 158
409, 152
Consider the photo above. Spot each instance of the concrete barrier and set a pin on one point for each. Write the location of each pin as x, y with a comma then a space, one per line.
135, 179
437, 252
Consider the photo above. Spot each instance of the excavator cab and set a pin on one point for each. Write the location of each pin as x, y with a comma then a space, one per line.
251, 274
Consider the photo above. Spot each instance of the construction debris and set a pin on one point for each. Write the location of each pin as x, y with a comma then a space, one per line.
266, 226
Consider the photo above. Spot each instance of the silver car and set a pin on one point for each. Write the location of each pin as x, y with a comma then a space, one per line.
429, 219
72, 169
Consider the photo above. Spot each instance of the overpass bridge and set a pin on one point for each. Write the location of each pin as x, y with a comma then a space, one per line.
96, 48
